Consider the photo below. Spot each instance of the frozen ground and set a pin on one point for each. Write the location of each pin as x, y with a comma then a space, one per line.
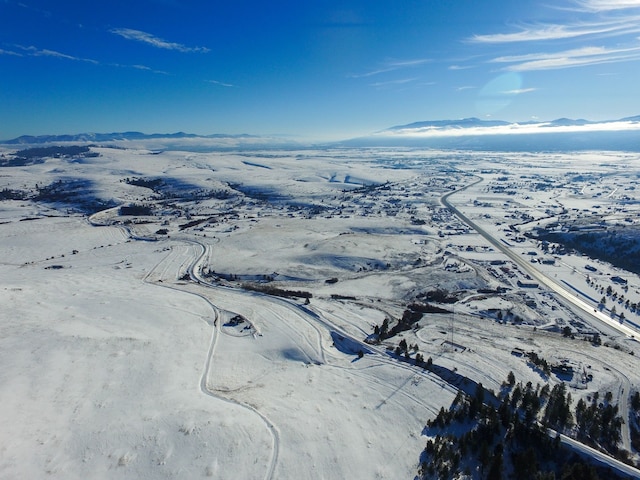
116, 365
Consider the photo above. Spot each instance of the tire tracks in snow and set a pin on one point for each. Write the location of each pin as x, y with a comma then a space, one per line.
215, 335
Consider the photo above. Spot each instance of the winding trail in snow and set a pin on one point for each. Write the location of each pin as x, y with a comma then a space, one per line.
299, 312
215, 335
193, 265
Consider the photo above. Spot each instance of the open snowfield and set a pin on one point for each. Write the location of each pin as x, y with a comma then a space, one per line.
138, 346
109, 376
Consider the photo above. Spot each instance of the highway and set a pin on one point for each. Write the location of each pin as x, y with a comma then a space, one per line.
595, 318
598, 456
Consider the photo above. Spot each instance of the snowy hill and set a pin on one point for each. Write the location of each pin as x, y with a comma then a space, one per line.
189, 314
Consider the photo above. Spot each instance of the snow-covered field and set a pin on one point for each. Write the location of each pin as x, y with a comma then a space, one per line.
117, 365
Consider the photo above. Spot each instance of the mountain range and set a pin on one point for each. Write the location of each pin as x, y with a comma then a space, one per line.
466, 133
476, 122
562, 134
116, 136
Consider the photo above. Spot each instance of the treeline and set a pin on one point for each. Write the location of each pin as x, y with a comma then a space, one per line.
9, 194
439, 295
278, 292
618, 247
598, 424
135, 210
169, 188
403, 352
76, 193
56, 151
506, 437
34, 156
150, 183
410, 317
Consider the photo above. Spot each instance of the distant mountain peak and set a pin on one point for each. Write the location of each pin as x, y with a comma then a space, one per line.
562, 134
460, 123
456, 126
471, 122
570, 121
114, 136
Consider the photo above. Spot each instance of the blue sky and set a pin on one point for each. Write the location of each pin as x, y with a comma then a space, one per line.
320, 69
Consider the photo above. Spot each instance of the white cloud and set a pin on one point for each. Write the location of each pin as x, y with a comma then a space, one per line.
568, 58
391, 66
561, 32
608, 5
519, 91
595, 24
511, 129
36, 52
371, 73
222, 84
146, 69
149, 39
400, 81
10, 53
32, 51
408, 63
53, 53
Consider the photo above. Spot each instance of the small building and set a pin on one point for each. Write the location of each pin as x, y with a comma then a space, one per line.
619, 280
562, 369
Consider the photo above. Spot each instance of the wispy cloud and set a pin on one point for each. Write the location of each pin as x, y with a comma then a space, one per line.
221, 84
388, 83
608, 5
519, 91
32, 51
45, 13
408, 63
560, 32
37, 52
371, 73
459, 67
511, 129
10, 53
145, 69
591, 21
149, 39
569, 58
392, 65
465, 87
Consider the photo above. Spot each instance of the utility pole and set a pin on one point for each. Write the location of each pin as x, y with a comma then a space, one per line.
452, 328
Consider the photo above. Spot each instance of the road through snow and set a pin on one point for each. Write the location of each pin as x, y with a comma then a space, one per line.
592, 317
289, 318
171, 267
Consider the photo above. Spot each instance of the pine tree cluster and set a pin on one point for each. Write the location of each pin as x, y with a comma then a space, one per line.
506, 436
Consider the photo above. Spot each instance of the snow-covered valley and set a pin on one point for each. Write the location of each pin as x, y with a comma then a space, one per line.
171, 314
